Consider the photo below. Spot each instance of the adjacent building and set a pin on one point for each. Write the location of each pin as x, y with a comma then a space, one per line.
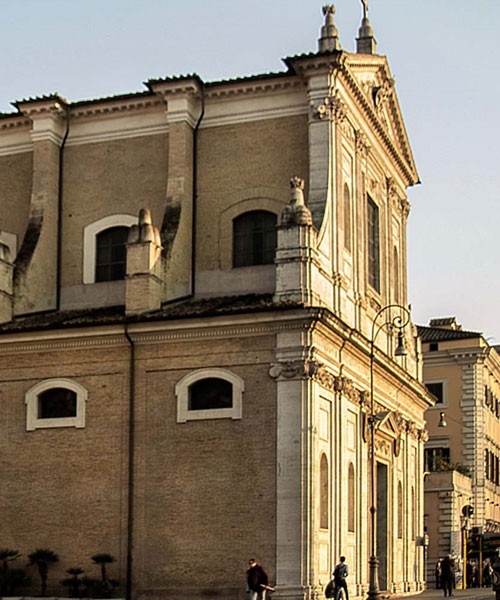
462, 489
198, 286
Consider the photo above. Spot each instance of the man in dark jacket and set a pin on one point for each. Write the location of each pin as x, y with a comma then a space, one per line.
339, 578
447, 575
257, 581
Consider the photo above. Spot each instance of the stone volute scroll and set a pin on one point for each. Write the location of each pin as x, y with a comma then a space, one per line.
296, 213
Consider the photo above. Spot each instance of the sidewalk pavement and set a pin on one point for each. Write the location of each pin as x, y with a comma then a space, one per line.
470, 594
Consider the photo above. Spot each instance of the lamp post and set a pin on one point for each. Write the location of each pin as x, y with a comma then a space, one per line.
390, 322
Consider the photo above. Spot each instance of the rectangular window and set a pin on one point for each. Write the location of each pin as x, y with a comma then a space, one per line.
373, 244
436, 389
437, 459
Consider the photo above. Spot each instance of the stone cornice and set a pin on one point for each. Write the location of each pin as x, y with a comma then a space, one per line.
254, 87
113, 107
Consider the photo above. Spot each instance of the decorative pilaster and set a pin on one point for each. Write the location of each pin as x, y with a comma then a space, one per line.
36, 276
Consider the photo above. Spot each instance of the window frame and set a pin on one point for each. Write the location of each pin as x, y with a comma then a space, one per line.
444, 383
33, 421
90, 233
182, 394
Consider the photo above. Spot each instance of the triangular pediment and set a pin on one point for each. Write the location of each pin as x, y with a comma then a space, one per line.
372, 84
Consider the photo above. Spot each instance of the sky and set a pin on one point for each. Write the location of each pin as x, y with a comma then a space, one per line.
443, 55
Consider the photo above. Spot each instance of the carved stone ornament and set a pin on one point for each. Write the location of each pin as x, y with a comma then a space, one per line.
404, 207
423, 435
331, 108
310, 369
381, 94
361, 144
297, 369
296, 213
383, 447
396, 446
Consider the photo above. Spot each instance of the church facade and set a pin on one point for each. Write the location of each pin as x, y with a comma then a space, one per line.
199, 287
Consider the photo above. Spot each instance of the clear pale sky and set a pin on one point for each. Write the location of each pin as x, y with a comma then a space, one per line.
443, 55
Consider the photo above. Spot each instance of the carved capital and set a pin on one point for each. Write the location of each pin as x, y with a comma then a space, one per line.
332, 108
297, 369
423, 435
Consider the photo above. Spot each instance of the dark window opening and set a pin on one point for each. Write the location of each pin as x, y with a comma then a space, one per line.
433, 347
437, 459
210, 393
111, 254
437, 390
57, 403
373, 240
254, 238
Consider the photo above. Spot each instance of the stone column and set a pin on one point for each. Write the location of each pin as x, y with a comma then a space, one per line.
36, 276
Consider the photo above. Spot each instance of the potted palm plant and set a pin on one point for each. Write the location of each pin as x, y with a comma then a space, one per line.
42, 557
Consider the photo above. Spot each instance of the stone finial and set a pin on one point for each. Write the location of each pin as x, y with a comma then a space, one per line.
296, 213
144, 231
329, 40
365, 42
143, 285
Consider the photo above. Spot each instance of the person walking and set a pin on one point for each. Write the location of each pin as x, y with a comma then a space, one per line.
438, 574
339, 578
447, 575
257, 581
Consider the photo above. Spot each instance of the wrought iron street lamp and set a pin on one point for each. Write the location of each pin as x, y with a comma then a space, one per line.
392, 318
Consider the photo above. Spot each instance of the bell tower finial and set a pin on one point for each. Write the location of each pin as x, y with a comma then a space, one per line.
365, 43
329, 39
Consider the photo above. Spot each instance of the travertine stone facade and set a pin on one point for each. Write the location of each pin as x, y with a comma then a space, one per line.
464, 370
179, 409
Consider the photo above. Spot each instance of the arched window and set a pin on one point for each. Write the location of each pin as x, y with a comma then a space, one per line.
101, 229
351, 499
55, 403
209, 394
347, 218
323, 486
400, 510
111, 254
254, 238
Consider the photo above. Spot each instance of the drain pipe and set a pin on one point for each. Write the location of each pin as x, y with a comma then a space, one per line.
131, 474
60, 211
